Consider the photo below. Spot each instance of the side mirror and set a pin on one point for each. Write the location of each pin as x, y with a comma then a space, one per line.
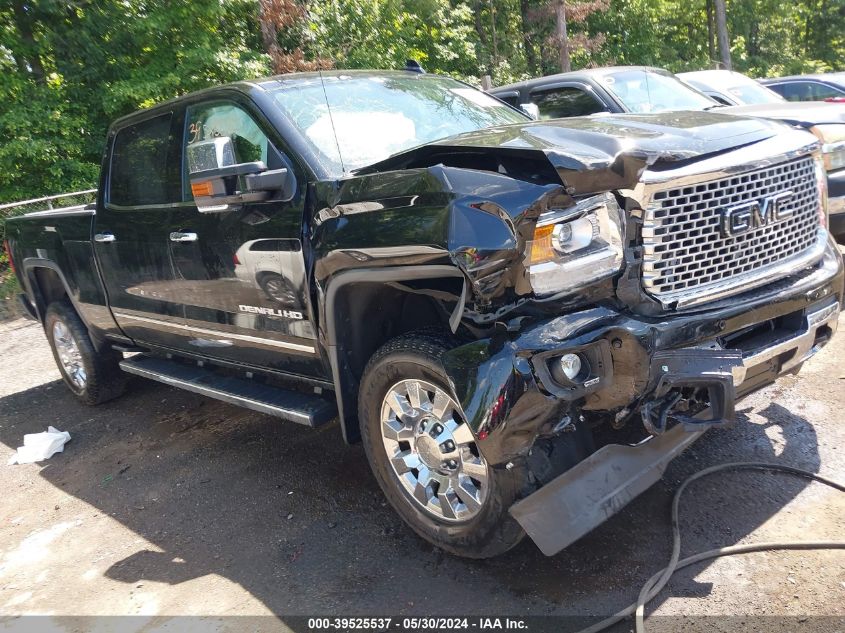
219, 184
531, 110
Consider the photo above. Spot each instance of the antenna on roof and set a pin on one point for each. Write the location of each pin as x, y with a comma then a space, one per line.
331, 120
413, 66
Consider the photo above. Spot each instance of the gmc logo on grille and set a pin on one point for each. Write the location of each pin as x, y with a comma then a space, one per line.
741, 218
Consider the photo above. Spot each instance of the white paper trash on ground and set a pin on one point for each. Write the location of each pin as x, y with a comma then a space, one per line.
38, 446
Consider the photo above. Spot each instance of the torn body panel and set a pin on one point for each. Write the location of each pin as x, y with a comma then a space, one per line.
474, 200
599, 153
510, 400
478, 221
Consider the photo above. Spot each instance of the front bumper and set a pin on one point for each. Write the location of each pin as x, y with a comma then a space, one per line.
510, 398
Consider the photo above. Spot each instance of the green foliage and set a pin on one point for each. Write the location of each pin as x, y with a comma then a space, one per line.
67, 70
69, 67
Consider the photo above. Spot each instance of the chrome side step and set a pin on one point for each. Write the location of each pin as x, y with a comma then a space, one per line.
294, 406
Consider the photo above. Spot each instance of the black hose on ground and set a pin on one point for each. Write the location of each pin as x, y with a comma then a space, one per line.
659, 580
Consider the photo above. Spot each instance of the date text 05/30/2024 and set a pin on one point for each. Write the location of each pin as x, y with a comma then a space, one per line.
416, 624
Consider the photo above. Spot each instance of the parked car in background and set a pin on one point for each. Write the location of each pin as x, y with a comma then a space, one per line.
820, 87
275, 265
730, 88
620, 89
641, 89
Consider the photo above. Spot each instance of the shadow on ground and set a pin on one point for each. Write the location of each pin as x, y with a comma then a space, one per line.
294, 516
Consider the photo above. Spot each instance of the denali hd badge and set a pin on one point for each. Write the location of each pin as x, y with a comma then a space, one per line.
285, 314
743, 217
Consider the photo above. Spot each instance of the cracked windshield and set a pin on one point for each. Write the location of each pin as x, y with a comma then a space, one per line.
355, 121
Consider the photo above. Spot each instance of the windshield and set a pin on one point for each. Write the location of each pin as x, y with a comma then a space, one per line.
647, 91
356, 120
749, 92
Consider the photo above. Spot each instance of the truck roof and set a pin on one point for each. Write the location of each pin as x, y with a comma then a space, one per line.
593, 73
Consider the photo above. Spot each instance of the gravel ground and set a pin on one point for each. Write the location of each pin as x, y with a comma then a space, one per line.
166, 503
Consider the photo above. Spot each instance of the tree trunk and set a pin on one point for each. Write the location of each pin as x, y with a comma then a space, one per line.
493, 27
722, 33
23, 22
483, 61
269, 33
563, 39
711, 32
530, 53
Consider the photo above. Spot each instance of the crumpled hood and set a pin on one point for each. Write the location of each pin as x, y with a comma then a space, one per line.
601, 152
805, 113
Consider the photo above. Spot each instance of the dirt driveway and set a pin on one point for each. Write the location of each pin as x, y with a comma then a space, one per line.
165, 503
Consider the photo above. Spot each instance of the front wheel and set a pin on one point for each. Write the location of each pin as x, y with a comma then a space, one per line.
425, 456
92, 376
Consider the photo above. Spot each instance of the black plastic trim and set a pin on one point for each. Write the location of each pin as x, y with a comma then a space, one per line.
342, 382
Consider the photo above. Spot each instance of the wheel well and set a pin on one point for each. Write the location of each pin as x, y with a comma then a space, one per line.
47, 286
368, 314
264, 274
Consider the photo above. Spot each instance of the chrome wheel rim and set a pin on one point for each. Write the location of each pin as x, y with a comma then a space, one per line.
278, 290
69, 355
432, 451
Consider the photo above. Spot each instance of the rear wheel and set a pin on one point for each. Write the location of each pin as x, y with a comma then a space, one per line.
277, 288
92, 376
425, 456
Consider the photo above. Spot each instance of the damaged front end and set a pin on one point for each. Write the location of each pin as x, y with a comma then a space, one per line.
666, 355
626, 280
514, 401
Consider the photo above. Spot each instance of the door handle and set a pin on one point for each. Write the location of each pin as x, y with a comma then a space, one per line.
179, 236
104, 237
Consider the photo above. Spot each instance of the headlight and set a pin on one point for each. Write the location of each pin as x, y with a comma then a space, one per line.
575, 247
833, 145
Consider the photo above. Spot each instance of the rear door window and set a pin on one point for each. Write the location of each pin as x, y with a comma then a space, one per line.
821, 92
806, 91
139, 174
566, 101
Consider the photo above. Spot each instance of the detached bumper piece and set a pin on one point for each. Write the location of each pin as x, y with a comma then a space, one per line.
572, 504
591, 492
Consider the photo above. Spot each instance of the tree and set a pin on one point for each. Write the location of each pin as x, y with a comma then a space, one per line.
286, 17
722, 33
562, 36
568, 35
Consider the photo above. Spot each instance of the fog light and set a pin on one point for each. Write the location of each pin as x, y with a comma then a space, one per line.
570, 365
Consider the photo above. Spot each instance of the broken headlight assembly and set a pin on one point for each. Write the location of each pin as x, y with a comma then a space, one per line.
575, 247
832, 137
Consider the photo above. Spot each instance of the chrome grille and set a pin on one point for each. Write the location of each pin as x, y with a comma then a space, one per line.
685, 252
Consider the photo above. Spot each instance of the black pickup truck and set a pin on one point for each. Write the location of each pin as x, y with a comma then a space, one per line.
522, 321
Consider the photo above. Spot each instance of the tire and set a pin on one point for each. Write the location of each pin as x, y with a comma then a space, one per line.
488, 532
278, 289
101, 378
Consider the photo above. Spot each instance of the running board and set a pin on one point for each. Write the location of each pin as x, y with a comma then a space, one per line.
294, 406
